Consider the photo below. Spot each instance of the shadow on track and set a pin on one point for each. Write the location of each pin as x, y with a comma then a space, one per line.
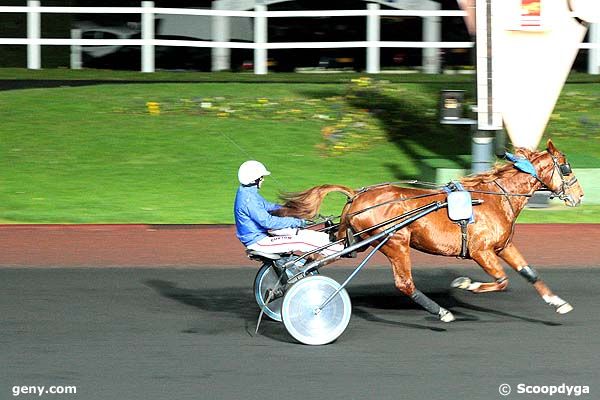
369, 302
462, 304
385, 297
230, 300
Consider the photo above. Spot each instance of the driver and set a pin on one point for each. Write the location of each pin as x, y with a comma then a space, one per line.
259, 230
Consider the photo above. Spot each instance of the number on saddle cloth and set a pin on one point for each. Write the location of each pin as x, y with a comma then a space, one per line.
460, 207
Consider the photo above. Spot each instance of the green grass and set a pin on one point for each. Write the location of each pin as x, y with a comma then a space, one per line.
559, 213
95, 155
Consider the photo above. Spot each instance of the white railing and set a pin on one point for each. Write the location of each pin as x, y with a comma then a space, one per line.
260, 45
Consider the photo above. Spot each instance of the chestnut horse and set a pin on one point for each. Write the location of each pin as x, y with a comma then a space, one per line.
504, 190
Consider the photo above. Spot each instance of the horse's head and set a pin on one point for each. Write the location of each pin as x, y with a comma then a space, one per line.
556, 174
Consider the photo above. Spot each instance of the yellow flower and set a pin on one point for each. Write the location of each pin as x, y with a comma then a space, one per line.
327, 130
362, 81
153, 107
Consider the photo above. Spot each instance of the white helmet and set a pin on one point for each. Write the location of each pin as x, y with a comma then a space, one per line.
250, 171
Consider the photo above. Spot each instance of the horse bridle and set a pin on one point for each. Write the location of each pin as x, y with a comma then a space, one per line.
563, 170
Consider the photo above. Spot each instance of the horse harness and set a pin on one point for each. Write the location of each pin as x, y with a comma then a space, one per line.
462, 222
563, 169
454, 186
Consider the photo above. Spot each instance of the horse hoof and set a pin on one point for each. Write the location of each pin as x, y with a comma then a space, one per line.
446, 316
462, 282
565, 308
561, 306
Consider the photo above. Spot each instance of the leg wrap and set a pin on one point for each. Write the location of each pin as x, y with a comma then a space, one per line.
530, 274
425, 302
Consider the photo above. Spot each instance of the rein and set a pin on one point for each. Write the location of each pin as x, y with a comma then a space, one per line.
512, 208
389, 202
563, 169
416, 182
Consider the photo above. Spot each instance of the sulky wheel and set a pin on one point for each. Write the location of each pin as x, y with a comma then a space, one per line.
267, 279
302, 317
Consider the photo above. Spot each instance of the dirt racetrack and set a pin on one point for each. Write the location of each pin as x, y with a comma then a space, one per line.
544, 245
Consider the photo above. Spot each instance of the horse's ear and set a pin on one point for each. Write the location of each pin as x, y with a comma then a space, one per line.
550, 147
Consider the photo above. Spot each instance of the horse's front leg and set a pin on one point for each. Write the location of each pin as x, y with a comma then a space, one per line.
515, 259
488, 260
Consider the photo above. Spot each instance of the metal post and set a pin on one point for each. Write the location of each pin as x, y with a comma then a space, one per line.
489, 119
373, 35
500, 142
220, 32
431, 33
33, 35
76, 50
260, 37
594, 53
147, 36
482, 146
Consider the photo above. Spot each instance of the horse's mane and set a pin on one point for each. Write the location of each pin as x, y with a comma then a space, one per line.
500, 170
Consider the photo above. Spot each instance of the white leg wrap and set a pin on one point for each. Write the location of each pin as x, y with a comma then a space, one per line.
562, 307
445, 315
465, 283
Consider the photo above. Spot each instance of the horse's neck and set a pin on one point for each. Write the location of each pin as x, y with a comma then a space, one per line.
520, 184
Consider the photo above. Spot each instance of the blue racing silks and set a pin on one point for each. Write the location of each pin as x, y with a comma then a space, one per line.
253, 218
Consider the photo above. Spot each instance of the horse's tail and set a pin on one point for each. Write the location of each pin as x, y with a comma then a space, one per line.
306, 204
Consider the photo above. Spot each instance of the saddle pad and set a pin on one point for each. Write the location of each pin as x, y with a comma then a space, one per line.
460, 206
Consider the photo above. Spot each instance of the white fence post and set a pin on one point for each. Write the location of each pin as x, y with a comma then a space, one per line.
33, 34
147, 36
373, 35
260, 37
76, 50
594, 53
220, 31
431, 55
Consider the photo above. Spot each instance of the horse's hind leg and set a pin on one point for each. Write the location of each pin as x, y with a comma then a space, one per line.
513, 257
401, 266
488, 260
